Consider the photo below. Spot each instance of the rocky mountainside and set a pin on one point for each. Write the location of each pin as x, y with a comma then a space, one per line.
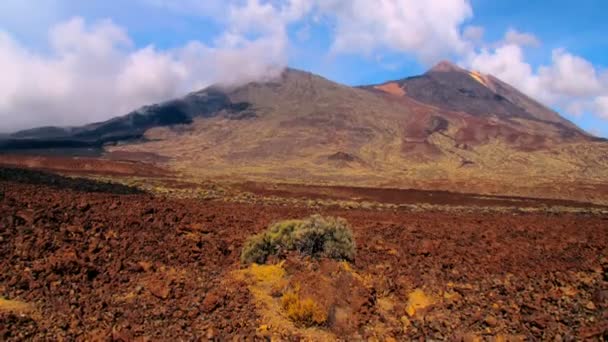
450, 87
447, 129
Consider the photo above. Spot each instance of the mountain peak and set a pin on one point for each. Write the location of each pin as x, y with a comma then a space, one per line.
445, 66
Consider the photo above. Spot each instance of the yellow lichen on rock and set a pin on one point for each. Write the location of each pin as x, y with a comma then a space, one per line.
478, 77
450, 295
263, 329
303, 312
283, 312
417, 300
267, 273
366, 279
14, 306
569, 291
265, 281
392, 88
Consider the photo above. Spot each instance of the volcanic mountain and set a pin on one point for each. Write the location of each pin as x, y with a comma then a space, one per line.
449, 129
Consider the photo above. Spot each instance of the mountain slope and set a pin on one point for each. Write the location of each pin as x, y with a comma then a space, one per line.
449, 87
447, 129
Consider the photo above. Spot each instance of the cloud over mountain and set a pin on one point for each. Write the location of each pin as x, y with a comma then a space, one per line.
93, 72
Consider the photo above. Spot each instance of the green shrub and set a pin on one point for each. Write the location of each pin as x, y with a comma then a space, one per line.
315, 236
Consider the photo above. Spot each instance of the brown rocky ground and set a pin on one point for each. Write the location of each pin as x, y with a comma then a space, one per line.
82, 265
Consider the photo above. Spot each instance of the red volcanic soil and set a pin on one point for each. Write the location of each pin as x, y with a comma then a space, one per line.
84, 165
103, 266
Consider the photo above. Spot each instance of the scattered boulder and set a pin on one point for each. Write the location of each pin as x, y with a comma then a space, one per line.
159, 288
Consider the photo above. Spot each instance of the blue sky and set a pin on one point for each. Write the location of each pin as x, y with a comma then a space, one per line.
141, 51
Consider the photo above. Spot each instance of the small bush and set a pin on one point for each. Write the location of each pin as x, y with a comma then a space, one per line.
315, 236
302, 312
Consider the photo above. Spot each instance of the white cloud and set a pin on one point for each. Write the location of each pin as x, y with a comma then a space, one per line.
93, 73
474, 34
256, 17
570, 75
521, 38
428, 30
601, 104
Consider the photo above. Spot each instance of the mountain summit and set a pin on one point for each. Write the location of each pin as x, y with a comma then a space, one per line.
447, 129
450, 87
445, 66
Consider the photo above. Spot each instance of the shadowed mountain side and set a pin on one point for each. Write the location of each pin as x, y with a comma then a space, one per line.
129, 127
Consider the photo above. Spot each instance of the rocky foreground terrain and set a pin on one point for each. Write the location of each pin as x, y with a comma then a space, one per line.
84, 261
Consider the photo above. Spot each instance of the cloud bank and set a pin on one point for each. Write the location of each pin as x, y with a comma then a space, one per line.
92, 70
93, 73
427, 29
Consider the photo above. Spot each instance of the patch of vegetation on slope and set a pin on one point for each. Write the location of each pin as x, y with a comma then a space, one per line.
315, 236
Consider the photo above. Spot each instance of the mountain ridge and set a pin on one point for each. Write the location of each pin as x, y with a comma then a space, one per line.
183, 110
443, 130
